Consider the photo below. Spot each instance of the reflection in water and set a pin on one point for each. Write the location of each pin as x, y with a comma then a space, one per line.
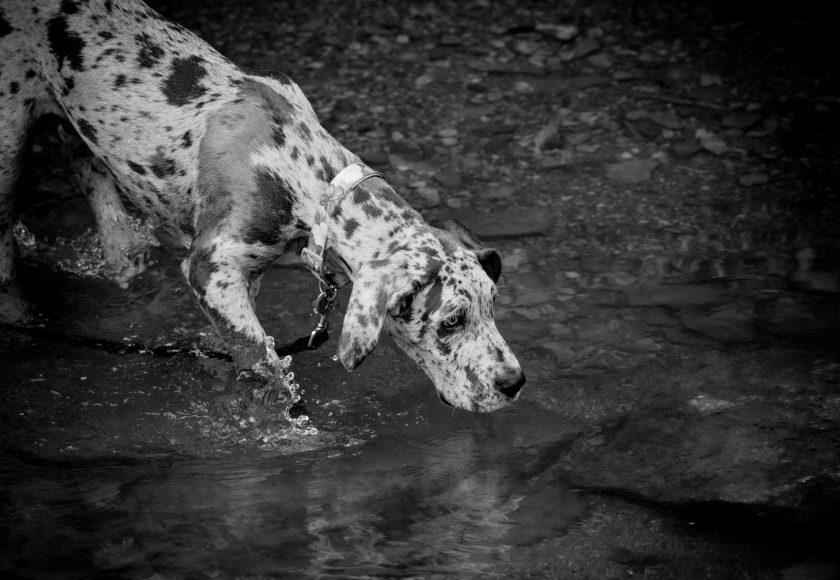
452, 503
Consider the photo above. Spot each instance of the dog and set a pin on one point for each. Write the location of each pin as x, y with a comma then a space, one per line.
233, 166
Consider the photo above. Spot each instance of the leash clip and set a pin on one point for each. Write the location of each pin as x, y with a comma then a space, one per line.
322, 306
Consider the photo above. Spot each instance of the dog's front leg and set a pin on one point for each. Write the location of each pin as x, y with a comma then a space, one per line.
224, 276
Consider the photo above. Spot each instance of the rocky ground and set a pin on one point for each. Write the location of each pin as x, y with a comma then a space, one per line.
662, 181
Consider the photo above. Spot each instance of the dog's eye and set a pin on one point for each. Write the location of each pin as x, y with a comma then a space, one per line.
453, 321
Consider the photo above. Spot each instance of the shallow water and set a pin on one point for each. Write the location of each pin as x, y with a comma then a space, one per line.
115, 463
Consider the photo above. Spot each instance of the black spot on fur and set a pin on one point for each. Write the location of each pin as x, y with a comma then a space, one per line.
327, 172
5, 27
161, 165
183, 83
106, 34
201, 269
150, 53
372, 211
360, 195
295, 153
350, 227
108, 5
30, 73
272, 210
278, 135
87, 130
304, 131
136, 168
186, 139
433, 299
66, 45
14, 87
69, 83
69, 6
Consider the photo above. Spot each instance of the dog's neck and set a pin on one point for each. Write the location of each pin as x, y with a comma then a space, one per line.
371, 225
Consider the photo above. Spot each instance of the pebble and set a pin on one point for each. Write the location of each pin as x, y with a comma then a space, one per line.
632, 171
498, 192
708, 405
752, 179
666, 119
507, 225
729, 325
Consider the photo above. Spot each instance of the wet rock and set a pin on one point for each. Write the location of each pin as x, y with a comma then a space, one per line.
497, 192
647, 128
686, 149
530, 297
666, 119
679, 336
521, 330
448, 179
619, 278
658, 316
711, 142
816, 281
677, 294
562, 84
507, 225
751, 179
740, 121
562, 351
708, 405
585, 47
602, 60
632, 171
564, 32
594, 263
729, 325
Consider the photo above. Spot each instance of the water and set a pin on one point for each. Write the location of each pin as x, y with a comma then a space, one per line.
118, 465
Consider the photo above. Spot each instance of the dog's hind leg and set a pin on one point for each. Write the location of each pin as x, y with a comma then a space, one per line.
125, 239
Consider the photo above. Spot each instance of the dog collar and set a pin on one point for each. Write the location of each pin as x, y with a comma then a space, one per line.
348, 179
342, 184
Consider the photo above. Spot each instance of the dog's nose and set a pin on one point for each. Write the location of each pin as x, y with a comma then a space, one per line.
514, 387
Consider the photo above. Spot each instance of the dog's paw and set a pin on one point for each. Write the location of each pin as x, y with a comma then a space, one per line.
127, 251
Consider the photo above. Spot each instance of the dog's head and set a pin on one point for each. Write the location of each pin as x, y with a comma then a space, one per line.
435, 297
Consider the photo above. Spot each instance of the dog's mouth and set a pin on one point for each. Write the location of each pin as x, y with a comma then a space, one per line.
443, 400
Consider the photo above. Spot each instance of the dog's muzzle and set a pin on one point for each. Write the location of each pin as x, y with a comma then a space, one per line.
512, 388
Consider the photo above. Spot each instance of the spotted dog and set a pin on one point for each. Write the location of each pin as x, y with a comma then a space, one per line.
234, 166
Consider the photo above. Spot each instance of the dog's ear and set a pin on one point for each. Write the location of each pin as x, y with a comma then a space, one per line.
374, 297
489, 258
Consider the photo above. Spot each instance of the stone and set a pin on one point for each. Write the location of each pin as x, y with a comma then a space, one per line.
658, 316
686, 149
677, 294
707, 405
751, 179
498, 192
817, 281
448, 179
632, 171
510, 224
711, 142
522, 330
619, 278
602, 60
729, 325
666, 119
